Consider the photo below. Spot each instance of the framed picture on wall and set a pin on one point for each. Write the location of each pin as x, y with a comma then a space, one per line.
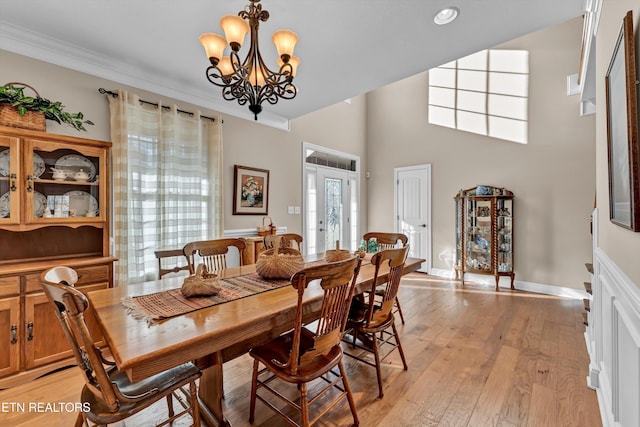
622, 131
250, 191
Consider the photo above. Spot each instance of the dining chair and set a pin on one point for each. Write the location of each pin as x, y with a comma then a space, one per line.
212, 253
172, 257
287, 240
310, 351
388, 241
370, 319
108, 396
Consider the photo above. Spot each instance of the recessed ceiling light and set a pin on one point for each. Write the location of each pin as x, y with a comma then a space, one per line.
446, 15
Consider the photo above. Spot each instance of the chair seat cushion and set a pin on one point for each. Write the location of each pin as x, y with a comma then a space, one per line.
157, 387
279, 348
358, 317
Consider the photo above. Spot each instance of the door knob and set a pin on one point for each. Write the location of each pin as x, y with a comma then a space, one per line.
423, 225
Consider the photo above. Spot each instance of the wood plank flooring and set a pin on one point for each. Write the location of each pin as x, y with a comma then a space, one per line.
476, 358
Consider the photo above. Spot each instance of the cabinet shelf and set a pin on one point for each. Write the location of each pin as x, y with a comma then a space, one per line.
484, 232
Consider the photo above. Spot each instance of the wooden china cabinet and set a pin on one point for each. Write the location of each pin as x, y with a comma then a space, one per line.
484, 232
54, 210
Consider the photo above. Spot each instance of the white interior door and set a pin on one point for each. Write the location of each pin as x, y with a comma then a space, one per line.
413, 210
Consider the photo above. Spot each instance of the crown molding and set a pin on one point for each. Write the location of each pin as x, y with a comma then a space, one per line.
29, 43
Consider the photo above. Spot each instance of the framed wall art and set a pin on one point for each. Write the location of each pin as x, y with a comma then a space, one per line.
622, 131
250, 191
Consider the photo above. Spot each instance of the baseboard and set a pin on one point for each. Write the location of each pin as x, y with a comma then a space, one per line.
505, 282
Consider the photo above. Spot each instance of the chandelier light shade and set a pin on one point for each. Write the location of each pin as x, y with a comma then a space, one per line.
250, 81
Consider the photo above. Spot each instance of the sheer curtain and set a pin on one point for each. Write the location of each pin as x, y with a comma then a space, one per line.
167, 183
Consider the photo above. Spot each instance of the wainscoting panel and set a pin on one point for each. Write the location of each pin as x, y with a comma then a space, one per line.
613, 343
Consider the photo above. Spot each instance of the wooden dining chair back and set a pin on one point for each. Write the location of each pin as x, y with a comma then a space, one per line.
287, 240
388, 241
213, 253
108, 396
371, 318
170, 261
310, 351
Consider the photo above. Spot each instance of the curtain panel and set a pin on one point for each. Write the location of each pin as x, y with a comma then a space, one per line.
167, 183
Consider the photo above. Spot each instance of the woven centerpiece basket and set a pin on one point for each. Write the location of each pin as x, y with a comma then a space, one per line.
279, 263
201, 284
9, 115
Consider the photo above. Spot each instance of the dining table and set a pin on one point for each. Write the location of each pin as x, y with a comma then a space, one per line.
208, 336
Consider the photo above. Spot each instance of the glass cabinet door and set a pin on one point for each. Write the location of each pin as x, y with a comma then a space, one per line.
63, 184
478, 234
9, 181
504, 215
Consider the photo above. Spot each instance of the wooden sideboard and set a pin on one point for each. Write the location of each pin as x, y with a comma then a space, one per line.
255, 246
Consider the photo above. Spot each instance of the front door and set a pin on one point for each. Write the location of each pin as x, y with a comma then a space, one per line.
413, 210
330, 200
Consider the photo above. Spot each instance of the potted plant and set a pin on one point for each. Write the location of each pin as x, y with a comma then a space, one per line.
15, 97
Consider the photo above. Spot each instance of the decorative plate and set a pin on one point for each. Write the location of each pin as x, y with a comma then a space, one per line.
4, 205
81, 202
4, 163
38, 164
39, 204
75, 163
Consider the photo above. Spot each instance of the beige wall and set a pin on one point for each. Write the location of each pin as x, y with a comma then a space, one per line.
340, 127
620, 245
552, 176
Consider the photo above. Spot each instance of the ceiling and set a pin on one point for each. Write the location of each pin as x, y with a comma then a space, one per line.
346, 47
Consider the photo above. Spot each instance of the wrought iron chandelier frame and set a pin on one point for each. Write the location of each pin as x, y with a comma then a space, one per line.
252, 82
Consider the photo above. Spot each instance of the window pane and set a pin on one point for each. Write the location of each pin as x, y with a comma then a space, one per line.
472, 122
476, 61
509, 129
442, 77
472, 101
472, 80
509, 61
508, 84
442, 116
508, 106
443, 97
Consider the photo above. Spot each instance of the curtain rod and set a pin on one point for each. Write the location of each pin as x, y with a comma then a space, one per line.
115, 95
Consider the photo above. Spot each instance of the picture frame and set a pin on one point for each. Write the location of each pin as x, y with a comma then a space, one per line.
250, 191
622, 130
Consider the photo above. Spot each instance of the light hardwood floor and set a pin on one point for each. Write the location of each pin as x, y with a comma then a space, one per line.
476, 358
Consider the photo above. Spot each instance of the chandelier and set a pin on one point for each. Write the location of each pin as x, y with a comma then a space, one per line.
250, 81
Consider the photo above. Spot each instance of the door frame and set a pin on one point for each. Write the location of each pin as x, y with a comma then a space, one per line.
308, 146
428, 245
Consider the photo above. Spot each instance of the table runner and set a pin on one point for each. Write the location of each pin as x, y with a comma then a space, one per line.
163, 305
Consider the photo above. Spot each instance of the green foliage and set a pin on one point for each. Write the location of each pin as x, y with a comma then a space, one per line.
10, 94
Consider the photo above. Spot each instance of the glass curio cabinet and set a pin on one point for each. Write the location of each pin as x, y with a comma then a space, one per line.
484, 233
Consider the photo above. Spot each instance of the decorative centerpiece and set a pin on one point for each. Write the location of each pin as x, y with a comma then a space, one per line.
28, 112
279, 262
201, 284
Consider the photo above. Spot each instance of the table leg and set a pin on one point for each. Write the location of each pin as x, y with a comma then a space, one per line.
210, 391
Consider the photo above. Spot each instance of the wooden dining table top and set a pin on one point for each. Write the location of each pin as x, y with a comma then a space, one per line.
229, 329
